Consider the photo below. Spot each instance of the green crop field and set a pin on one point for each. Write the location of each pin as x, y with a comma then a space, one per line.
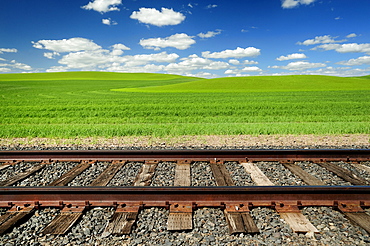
85, 104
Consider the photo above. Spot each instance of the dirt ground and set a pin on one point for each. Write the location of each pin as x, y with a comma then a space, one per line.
348, 140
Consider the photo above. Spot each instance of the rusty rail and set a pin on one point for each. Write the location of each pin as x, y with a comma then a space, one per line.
255, 196
286, 156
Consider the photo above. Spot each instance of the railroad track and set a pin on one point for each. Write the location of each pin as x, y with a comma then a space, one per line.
236, 195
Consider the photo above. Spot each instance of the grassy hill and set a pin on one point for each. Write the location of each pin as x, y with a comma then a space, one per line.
85, 104
264, 84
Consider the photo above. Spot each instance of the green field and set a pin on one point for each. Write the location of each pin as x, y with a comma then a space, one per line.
104, 104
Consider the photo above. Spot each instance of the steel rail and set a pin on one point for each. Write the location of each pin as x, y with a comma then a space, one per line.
318, 155
249, 196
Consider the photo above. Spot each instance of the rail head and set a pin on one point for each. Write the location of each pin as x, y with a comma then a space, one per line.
253, 155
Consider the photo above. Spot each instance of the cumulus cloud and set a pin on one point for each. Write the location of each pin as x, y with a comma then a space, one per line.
234, 62
56, 69
346, 48
300, 65
103, 59
118, 49
292, 56
209, 34
9, 67
2, 50
320, 40
108, 22
103, 6
356, 61
248, 62
237, 53
51, 55
352, 35
179, 41
211, 6
152, 16
5, 70
66, 45
252, 69
194, 62
288, 4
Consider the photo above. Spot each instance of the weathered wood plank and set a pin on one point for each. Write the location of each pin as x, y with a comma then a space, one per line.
234, 222
106, 176
121, 223
299, 223
361, 219
344, 173
257, 175
249, 224
64, 221
20, 176
70, 175
12, 217
182, 174
305, 176
144, 178
179, 221
222, 176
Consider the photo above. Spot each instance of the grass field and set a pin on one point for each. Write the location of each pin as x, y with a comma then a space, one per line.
87, 104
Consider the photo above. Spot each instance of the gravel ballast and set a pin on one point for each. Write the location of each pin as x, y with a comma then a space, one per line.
209, 224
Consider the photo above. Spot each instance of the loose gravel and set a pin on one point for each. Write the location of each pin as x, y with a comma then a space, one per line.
164, 174
278, 174
89, 175
12, 170
201, 174
238, 174
321, 173
126, 176
48, 174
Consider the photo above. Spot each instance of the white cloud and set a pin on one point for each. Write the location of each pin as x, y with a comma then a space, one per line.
9, 67
179, 41
56, 69
211, 6
248, 62
292, 56
352, 35
109, 22
300, 65
103, 6
252, 69
150, 68
320, 40
209, 34
86, 59
118, 49
162, 57
288, 4
4, 69
51, 55
103, 59
346, 48
2, 50
234, 62
154, 17
356, 61
237, 53
194, 62
66, 45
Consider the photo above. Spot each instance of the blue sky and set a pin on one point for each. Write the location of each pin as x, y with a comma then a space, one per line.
208, 38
